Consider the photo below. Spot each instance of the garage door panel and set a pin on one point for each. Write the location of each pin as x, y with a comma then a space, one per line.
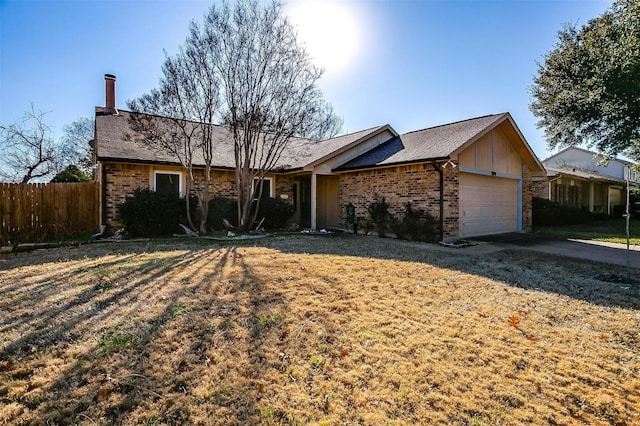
488, 205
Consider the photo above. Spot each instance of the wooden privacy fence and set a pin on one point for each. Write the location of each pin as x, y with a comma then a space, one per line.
34, 212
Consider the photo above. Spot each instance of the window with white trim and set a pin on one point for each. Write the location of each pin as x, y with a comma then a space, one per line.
267, 187
167, 182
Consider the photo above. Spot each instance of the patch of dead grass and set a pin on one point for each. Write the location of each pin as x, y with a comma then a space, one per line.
313, 330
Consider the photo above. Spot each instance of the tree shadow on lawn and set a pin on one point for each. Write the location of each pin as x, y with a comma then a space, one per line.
135, 340
571, 277
176, 334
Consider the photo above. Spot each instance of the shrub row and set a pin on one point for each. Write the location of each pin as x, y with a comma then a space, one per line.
276, 212
415, 225
550, 213
149, 214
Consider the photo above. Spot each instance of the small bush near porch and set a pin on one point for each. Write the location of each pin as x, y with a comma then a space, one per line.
313, 330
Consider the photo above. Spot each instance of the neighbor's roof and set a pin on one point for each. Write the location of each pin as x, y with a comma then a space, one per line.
582, 174
428, 144
114, 142
594, 154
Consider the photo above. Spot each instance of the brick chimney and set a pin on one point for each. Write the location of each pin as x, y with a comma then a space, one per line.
110, 90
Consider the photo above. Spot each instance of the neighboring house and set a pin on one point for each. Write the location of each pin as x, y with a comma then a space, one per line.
581, 178
474, 176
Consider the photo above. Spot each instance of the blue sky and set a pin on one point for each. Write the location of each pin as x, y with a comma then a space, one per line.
415, 64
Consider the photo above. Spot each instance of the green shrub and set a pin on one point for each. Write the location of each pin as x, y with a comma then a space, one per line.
149, 214
380, 216
71, 174
416, 225
550, 213
275, 212
222, 208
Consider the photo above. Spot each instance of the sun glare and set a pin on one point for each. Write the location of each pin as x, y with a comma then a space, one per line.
329, 31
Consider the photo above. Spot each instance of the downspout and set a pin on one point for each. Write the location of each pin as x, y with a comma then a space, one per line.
441, 174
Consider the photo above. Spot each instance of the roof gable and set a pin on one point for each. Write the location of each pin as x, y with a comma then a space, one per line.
518, 142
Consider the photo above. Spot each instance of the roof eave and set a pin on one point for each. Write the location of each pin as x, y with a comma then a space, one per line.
157, 162
387, 165
533, 156
589, 176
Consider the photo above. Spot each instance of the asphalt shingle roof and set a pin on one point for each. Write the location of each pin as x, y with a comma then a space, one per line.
432, 143
303, 151
114, 142
580, 173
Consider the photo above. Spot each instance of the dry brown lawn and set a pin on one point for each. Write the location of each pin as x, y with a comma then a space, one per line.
314, 330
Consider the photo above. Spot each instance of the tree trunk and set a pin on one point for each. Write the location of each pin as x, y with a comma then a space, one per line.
187, 199
205, 200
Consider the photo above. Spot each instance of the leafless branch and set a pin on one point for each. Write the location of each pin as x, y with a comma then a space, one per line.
243, 68
27, 151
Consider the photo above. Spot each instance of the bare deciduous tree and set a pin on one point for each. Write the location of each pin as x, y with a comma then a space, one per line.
269, 91
74, 147
27, 149
179, 115
243, 68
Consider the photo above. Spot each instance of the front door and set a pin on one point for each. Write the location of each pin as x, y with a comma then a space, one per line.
328, 208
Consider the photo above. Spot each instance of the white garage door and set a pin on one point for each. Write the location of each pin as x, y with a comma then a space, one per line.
488, 205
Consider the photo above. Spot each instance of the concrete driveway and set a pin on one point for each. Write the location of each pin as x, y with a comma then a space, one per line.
612, 253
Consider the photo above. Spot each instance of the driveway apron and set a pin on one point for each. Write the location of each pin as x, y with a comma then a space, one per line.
611, 253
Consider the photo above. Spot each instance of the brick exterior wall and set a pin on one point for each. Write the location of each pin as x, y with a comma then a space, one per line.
223, 182
419, 185
527, 199
122, 179
540, 188
416, 184
451, 203
284, 186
